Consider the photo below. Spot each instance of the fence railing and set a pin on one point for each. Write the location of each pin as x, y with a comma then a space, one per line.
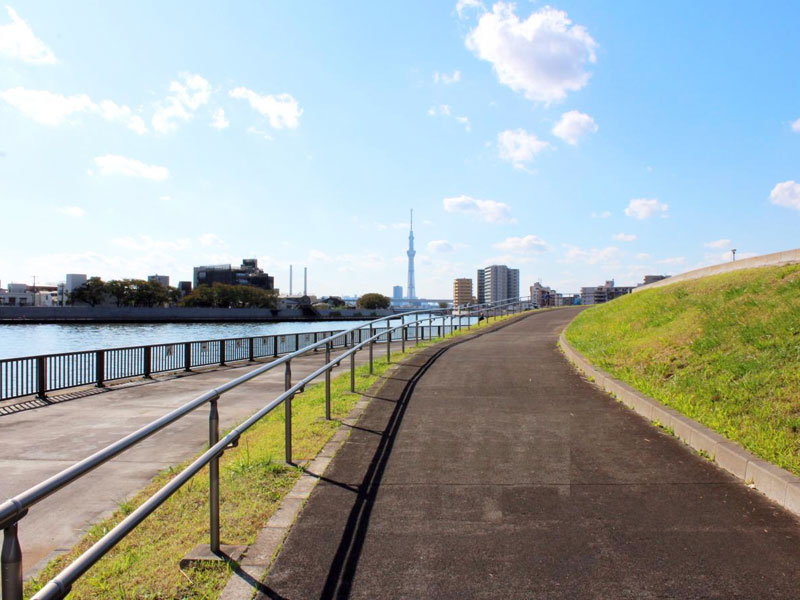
13, 510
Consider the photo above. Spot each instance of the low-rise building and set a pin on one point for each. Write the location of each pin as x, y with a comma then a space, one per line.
247, 274
462, 291
160, 279
603, 293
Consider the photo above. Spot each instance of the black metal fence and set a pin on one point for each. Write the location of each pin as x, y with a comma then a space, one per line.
40, 375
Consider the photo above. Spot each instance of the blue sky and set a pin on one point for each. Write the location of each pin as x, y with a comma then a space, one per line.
578, 141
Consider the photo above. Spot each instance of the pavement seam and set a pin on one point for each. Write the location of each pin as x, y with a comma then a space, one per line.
247, 578
779, 485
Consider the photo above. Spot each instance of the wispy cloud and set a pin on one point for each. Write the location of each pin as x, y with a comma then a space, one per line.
723, 243
519, 147
282, 110
786, 194
444, 110
188, 93
485, 210
112, 164
218, 120
624, 237
530, 244
573, 125
644, 208
447, 78
71, 211
17, 40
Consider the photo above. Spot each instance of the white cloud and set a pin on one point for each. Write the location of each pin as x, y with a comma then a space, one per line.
49, 108
530, 244
542, 56
486, 210
594, 256
624, 237
210, 240
463, 5
724, 243
786, 194
265, 134
218, 121
644, 208
675, 260
186, 96
45, 107
17, 40
440, 246
573, 125
112, 164
443, 110
643, 256
603, 215
72, 211
519, 147
447, 78
282, 110
796, 126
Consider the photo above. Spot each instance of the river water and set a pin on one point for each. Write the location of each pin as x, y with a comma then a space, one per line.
30, 340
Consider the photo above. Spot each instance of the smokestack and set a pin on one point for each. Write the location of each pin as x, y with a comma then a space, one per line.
290, 280
305, 281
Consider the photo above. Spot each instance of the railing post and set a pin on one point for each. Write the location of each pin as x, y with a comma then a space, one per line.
297, 341
328, 382
11, 567
222, 353
371, 344
251, 349
287, 404
388, 344
403, 334
275, 346
100, 368
315, 340
213, 477
187, 356
353, 372
148, 361
41, 379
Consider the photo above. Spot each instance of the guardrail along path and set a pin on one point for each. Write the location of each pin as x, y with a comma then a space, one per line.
491, 469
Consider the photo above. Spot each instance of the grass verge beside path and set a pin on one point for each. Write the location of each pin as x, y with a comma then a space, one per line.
723, 350
253, 481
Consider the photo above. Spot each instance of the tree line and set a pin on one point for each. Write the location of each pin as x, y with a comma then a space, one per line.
141, 293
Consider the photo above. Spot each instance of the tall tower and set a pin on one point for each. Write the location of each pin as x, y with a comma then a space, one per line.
410, 289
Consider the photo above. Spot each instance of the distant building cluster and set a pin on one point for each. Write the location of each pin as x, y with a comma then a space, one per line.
247, 274
496, 283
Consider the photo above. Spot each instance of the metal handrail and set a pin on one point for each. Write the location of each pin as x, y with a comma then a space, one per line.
14, 509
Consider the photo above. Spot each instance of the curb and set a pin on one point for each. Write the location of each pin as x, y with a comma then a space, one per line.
779, 485
258, 558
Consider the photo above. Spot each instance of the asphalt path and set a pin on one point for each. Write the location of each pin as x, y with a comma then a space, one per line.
36, 444
489, 468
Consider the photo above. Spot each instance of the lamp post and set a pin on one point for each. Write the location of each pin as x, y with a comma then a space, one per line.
733, 253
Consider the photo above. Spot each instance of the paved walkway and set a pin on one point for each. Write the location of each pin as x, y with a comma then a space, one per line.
39, 443
492, 470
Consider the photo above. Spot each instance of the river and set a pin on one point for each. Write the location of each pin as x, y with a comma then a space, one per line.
30, 340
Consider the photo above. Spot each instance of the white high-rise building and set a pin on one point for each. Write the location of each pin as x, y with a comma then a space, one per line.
496, 283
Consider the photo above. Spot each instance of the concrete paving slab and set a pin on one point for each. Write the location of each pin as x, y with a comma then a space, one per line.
451, 486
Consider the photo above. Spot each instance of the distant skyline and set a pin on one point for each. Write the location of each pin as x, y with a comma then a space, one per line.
576, 141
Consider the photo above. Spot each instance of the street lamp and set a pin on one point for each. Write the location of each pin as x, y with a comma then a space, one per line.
733, 252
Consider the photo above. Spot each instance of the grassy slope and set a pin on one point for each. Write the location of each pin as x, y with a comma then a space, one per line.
723, 350
253, 481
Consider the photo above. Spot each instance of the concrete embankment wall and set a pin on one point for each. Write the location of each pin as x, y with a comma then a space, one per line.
777, 259
127, 314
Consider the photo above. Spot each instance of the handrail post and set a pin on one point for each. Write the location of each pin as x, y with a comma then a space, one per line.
11, 568
328, 382
297, 341
371, 344
288, 413
353, 372
275, 346
251, 349
213, 477
99, 368
315, 340
41, 379
403, 333
148, 361
222, 353
187, 356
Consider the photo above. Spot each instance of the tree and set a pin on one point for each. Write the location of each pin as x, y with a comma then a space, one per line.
373, 301
121, 290
230, 296
92, 292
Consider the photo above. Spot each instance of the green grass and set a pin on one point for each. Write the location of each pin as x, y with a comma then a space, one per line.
723, 350
253, 481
